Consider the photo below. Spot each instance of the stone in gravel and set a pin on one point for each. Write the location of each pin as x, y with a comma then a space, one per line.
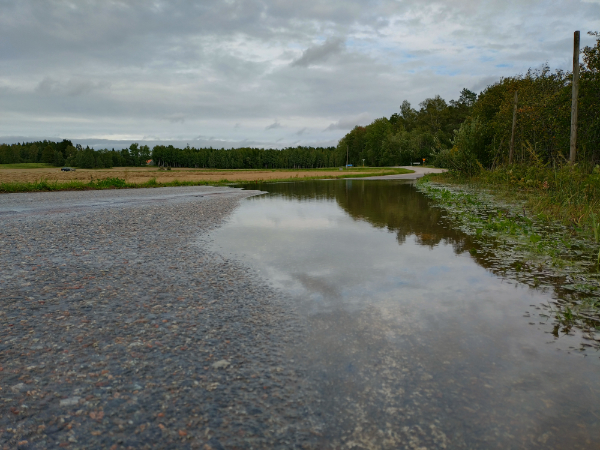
222, 364
71, 401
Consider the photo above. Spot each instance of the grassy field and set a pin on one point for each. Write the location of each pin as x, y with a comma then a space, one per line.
36, 180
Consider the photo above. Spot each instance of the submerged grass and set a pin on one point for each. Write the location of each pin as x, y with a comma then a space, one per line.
118, 183
539, 227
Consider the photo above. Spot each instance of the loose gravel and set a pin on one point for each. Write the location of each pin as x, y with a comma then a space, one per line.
120, 329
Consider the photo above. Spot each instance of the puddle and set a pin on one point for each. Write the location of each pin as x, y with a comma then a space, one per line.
414, 342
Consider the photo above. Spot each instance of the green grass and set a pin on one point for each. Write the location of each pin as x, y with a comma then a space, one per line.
107, 183
26, 166
118, 183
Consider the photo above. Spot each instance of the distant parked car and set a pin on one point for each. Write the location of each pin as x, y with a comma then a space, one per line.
67, 169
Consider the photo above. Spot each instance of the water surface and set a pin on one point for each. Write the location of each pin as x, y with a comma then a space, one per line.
413, 342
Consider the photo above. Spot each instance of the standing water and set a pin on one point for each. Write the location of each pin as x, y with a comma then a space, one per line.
412, 341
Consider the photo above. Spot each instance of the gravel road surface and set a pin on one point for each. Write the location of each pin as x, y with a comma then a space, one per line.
120, 329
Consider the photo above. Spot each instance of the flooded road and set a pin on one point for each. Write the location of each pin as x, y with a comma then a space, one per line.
413, 342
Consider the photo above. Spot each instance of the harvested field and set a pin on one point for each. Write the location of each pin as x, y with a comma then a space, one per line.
141, 175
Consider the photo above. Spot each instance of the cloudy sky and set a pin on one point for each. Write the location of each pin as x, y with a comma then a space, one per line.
260, 72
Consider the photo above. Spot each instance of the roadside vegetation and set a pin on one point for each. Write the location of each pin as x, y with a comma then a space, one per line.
538, 175
473, 134
535, 215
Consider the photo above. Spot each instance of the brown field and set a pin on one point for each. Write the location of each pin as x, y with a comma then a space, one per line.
143, 174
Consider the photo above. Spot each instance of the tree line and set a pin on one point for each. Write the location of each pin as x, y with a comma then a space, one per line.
409, 135
65, 153
474, 132
247, 158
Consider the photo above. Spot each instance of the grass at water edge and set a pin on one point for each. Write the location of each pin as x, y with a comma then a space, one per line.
524, 243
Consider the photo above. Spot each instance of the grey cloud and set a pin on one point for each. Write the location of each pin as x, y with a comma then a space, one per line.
274, 126
176, 118
349, 123
71, 88
47, 86
483, 83
320, 53
198, 67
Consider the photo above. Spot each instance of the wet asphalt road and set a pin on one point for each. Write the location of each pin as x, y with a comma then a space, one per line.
120, 329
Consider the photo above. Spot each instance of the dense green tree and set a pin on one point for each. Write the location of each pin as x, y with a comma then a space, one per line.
408, 114
48, 154
59, 159
33, 154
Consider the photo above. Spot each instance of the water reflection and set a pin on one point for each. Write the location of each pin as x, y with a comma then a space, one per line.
413, 342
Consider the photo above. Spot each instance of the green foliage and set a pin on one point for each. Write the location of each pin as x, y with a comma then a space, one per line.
33, 155
542, 134
464, 156
32, 152
247, 158
48, 154
25, 166
409, 136
85, 159
110, 183
474, 132
59, 159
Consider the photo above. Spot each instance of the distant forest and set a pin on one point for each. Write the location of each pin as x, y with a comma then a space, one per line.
65, 153
248, 158
466, 134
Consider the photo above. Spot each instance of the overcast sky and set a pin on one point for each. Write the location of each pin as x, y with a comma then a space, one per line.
260, 72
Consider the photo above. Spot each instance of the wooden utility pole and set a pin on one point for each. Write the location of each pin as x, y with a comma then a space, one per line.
573, 153
346, 156
514, 125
